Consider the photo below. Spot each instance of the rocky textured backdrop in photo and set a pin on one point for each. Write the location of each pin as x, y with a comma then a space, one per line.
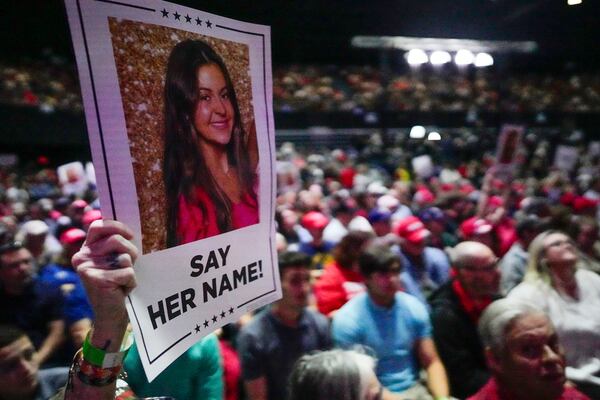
141, 52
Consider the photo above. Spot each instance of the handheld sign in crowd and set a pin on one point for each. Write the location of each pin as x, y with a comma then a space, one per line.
508, 152
178, 105
565, 157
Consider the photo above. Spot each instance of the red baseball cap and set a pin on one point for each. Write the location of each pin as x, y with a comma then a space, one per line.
424, 196
72, 235
79, 204
91, 216
495, 201
314, 220
412, 229
475, 226
582, 203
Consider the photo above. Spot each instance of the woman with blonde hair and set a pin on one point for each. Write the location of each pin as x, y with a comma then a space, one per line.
571, 298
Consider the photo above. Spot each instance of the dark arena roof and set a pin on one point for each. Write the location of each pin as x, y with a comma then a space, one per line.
318, 31
312, 39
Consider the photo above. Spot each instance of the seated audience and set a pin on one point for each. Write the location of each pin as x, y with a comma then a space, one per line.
455, 310
425, 268
570, 296
524, 355
584, 231
195, 375
396, 326
514, 262
34, 235
77, 311
478, 230
20, 376
335, 374
341, 280
434, 220
32, 305
279, 335
317, 247
343, 221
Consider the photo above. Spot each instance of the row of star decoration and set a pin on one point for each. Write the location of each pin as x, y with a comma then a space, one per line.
188, 19
214, 319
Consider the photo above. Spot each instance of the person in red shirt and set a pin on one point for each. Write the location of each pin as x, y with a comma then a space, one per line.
341, 279
524, 355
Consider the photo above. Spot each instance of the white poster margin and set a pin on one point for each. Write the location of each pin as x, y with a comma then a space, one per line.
103, 105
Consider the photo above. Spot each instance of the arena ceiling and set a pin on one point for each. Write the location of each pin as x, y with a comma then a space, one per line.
320, 30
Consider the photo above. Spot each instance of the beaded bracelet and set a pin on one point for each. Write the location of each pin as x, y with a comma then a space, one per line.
90, 374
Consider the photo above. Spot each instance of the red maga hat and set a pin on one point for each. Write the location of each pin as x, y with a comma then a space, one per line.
475, 226
412, 229
314, 220
72, 235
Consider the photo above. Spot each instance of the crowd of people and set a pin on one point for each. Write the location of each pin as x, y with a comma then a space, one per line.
332, 88
50, 83
458, 281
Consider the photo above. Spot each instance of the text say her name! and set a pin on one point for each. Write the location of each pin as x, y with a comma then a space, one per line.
177, 304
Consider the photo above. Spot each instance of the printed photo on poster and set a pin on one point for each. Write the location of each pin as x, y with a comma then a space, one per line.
178, 106
508, 152
190, 123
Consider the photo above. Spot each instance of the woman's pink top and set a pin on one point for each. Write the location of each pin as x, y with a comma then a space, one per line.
193, 224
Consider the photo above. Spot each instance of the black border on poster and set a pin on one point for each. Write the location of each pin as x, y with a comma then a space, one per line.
100, 130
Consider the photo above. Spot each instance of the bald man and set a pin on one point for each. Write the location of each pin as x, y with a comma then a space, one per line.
455, 310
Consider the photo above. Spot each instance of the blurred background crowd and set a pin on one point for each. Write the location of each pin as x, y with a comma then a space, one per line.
391, 178
50, 83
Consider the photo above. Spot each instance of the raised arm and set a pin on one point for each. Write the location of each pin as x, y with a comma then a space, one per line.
105, 265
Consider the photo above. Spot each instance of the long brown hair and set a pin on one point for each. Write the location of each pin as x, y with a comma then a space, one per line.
184, 167
350, 247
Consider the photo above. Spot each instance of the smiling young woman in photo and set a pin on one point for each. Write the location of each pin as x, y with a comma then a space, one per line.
209, 158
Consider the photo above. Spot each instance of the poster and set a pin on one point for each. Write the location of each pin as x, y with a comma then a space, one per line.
179, 113
508, 152
565, 157
72, 179
423, 166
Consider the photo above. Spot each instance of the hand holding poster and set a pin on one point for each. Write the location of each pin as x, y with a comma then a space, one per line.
178, 109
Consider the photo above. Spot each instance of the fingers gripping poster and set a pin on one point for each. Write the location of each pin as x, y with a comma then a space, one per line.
178, 107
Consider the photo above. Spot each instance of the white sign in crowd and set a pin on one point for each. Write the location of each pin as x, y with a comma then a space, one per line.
178, 105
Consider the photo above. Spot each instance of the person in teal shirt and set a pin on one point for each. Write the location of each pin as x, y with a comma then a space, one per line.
196, 375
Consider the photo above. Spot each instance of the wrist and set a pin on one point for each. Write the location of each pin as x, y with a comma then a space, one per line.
109, 356
108, 336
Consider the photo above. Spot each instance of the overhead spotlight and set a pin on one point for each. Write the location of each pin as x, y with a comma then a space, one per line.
417, 132
439, 57
416, 57
434, 136
574, 2
483, 60
464, 57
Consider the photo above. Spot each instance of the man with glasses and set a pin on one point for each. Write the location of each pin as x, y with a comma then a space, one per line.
33, 306
455, 310
526, 359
